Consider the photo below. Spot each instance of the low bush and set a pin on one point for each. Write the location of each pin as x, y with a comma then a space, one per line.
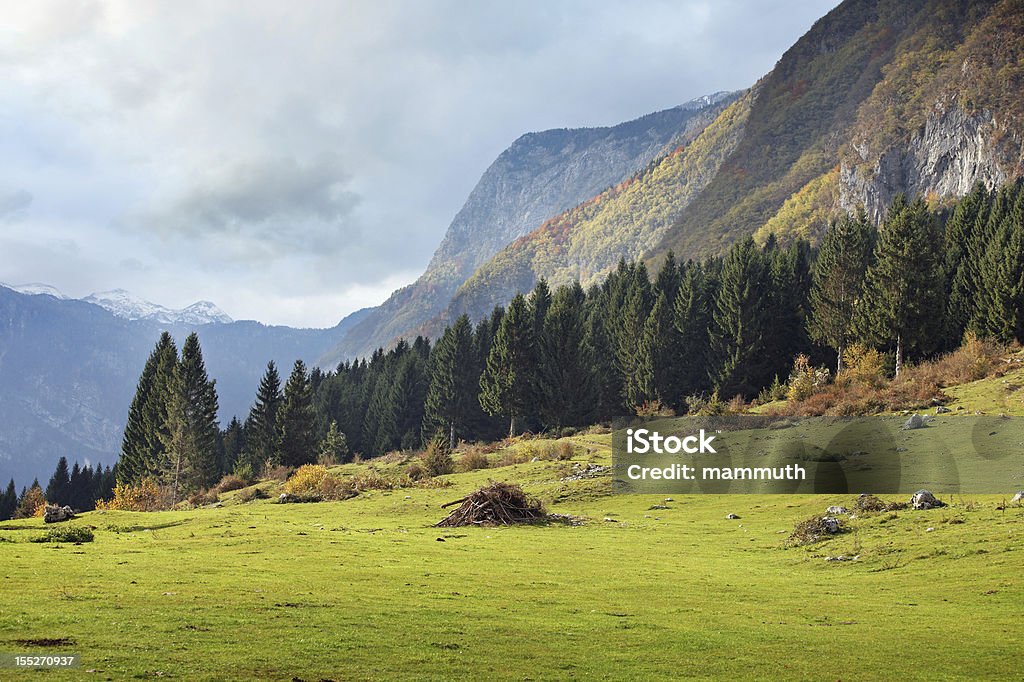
472, 460
306, 481
146, 495
251, 494
201, 498
229, 483
74, 534
417, 472
438, 457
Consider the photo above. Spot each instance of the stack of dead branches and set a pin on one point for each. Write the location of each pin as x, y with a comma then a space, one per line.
498, 504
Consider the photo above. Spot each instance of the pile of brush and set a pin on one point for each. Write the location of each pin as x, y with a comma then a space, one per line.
498, 504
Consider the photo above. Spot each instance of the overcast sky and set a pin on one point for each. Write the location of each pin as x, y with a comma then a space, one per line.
295, 161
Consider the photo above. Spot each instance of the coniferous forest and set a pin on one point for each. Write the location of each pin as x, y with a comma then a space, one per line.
676, 339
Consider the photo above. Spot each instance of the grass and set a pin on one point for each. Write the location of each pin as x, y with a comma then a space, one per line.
367, 589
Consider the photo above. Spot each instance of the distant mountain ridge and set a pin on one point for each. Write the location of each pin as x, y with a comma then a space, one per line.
125, 304
539, 176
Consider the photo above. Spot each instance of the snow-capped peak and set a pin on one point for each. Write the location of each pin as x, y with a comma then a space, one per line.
35, 289
125, 304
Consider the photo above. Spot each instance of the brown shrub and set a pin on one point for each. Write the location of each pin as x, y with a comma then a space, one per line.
438, 457
201, 498
814, 529
510, 457
417, 472
871, 503
278, 472
473, 459
251, 494
145, 495
229, 483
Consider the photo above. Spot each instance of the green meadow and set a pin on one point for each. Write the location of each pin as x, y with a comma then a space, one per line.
644, 588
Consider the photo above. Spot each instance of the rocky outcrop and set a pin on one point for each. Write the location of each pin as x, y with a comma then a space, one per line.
946, 157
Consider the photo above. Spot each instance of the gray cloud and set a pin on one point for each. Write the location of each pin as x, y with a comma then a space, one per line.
293, 162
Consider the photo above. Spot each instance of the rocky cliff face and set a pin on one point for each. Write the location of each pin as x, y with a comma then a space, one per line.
537, 177
947, 157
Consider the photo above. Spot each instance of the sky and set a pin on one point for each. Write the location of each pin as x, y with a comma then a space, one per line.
295, 161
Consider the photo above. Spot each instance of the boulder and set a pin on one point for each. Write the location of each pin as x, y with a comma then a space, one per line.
731, 516
1018, 498
55, 513
923, 499
836, 510
942, 410
830, 525
916, 421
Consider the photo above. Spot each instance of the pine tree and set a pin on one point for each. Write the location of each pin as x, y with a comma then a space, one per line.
233, 445
507, 385
692, 320
193, 432
742, 322
903, 304
334, 447
78, 488
58, 490
540, 303
1002, 295
564, 382
296, 421
839, 271
454, 381
8, 502
261, 426
604, 377
143, 450
633, 366
669, 278
658, 361
960, 266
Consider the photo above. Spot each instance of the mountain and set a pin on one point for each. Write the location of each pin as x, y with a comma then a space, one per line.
35, 289
131, 307
537, 177
879, 97
68, 370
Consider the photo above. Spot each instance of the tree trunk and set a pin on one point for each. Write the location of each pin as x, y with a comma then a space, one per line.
451, 436
899, 353
839, 361
512, 426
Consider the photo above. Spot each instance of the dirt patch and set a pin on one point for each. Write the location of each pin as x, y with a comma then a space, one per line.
46, 642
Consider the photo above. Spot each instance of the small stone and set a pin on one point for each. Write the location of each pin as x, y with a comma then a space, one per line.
669, 499
942, 410
928, 530
659, 506
610, 519
835, 510
916, 421
1018, 498
731, 516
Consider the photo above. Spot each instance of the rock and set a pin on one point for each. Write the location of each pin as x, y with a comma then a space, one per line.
669, 499
610, 519
658, 506
835, 510
916, 421
535, 459
923, 499
55, 513
731, 516
942, 410
830, 525
929, 529
1018, 498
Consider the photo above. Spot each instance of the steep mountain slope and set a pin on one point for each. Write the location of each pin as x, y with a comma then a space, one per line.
537, 177
879, 97
68, 370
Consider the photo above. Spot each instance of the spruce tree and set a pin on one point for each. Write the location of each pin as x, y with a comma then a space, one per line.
564, 381
232, 444
691, 321
334, 446
143, 449
8, 502
507, 385
78, 488
193, 432
540, 302
960, 266
843, 259
261, 426
597, 342
296, 421
454, 382
669, 278
658, 361
903, 304
1002, 296
58, 490
742, 322
634, 368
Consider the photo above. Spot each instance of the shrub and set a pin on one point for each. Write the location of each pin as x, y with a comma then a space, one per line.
229, 483
75, 534
566, 450
510, 457
145, 495
472, 460
276, 472
438, 457
417, 472
805, 380
373, 480
700, 406
777, 391
243, 471
306, 481
654, 408
862, 365
250, 494
201, 498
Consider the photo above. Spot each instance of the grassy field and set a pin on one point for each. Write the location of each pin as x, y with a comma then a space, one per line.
367, 589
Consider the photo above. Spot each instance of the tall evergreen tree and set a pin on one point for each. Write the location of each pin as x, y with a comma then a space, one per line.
540, 302
8, 502
297, 421
454, 382
903, 304
261, 426
658, 362
742, 322
507, 385
143, 449
232, 444
58, 490
564, 380
631, 316
960, 265
843, 259
597, 342
193, 432
692, 321
1002, 294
